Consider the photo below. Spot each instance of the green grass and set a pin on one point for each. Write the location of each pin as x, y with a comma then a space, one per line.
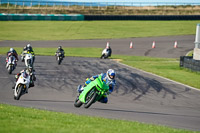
30, 120
67, 30
166, 67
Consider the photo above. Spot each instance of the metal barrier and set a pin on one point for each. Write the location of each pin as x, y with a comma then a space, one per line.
142, 17
190, 63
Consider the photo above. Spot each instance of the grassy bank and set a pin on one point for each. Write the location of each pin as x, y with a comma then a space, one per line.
67, 30
23, 120
165, 67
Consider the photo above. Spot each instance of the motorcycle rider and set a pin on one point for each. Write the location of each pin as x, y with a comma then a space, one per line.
13, 53
28, 49
108, 78
109, 50
31, 72
60, 50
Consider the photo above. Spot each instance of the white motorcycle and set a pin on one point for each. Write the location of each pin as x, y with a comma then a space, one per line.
105, 54
22, 85
11, 64
28, 60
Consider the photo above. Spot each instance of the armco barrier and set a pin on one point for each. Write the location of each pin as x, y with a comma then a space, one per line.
142, 17
190, 63
55, 17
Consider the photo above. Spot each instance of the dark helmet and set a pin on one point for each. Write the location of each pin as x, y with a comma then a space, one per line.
60, 47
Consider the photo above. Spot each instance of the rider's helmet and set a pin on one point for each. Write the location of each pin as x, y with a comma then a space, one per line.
28, 45
11, 50
60, 47
110, 74
29, 48
29, 70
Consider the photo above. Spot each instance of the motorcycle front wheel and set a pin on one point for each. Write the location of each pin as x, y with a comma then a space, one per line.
10, 68
19, 92
77, 103
90, 98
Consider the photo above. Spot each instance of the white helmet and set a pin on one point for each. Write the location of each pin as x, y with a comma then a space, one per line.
28, 45
110, 74
11, 49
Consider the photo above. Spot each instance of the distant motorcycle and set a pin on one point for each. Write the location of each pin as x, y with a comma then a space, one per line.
93, 92
105, 54
21, 86
59, 57
11, 64
28, 60
24, 53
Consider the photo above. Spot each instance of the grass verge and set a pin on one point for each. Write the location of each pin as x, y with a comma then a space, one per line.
166, 67
68, 30
23, 120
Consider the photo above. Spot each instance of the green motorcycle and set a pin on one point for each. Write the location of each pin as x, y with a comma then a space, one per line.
93, 92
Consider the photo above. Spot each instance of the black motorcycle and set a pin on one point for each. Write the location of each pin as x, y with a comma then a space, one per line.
59, 57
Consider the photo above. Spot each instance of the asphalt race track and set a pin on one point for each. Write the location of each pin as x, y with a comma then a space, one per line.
141, 46
138, 96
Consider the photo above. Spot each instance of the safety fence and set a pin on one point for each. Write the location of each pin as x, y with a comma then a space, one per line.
142, 17
80, 17
107, 8
33, 3
189, 63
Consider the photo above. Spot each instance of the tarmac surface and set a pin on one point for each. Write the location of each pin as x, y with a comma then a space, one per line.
138, 95
141, 46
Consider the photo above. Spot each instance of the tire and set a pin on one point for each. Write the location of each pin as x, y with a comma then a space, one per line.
10, 69
59, 60
19, 92
77, 103
90, 98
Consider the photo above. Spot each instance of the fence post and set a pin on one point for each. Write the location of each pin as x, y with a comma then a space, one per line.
83, 7
8, 5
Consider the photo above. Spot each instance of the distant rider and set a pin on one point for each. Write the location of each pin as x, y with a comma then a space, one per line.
109, 50
28, 49
60, 50
13, 53
108, 78
29, 71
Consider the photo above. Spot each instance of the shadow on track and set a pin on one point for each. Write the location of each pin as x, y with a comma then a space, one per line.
142, 112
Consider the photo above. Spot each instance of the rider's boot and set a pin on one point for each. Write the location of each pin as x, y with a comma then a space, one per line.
26, 90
